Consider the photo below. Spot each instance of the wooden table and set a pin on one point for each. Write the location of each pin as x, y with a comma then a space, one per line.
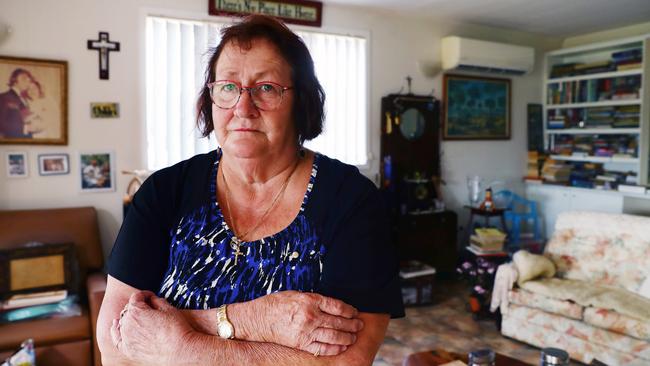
440, 357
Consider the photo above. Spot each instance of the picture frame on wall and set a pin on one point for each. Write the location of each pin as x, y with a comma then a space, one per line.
17, 166
53, 164
97, 171
475, 108
33, 101
302, 12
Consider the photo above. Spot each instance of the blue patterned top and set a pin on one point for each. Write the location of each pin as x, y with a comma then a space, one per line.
287, 260
174, 241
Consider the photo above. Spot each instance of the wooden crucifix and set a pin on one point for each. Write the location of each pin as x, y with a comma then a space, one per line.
103, 45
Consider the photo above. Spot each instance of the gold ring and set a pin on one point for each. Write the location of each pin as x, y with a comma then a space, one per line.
317, 353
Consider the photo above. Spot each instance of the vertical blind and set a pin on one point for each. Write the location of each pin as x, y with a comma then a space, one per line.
177, 52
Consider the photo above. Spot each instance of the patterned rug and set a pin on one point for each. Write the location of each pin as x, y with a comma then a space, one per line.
447, 325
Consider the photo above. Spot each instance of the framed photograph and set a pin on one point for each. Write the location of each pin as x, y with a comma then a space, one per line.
303, 12
17, 164
33, 101
104, 110
53, 164
475, 108
97, 172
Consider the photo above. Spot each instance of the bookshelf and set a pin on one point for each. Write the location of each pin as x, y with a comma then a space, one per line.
596, 107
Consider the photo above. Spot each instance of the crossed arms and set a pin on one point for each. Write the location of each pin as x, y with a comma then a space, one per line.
284, 328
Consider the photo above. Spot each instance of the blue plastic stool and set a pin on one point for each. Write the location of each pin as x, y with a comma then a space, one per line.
519, 210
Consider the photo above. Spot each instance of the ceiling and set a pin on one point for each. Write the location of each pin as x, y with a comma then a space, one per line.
556, 18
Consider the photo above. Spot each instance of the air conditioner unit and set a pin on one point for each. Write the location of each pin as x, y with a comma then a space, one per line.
481, 56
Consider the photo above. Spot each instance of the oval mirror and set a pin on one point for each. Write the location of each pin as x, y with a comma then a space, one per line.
412, 124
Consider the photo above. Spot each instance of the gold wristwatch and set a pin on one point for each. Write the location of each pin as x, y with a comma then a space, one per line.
224, 326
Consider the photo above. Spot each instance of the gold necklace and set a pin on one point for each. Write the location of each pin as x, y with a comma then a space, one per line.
235, 242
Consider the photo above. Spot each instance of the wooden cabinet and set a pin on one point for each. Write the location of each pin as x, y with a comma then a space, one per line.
429, 238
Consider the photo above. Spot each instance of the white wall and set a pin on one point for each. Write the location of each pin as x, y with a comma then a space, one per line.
59, 30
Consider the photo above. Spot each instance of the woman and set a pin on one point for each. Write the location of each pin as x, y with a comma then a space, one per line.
290, 247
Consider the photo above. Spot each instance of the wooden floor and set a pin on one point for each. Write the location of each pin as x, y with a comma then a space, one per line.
447, 325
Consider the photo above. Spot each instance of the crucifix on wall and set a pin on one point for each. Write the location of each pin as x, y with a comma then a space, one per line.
104, 46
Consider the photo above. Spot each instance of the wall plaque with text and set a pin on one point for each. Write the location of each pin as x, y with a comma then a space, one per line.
304, 12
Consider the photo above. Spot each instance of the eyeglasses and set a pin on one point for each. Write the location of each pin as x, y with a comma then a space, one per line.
266, 95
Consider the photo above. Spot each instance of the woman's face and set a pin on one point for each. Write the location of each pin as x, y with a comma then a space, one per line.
246, 131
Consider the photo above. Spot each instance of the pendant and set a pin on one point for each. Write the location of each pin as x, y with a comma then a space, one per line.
235, 244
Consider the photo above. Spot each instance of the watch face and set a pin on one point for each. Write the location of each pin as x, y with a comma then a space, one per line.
225, 330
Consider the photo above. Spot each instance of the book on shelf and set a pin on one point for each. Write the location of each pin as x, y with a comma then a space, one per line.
31, 299
629, 188
488, 238
478, 251
625, 67
533, 180
413, 268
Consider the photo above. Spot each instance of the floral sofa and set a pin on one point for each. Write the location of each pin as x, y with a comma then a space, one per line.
597, 305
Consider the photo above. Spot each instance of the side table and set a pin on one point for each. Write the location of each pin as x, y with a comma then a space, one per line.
480, 270
487, 214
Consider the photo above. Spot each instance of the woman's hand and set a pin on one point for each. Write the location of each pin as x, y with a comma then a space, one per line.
307, 321
150, 331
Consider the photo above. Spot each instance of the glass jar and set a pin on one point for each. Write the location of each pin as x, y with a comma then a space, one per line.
481, 357
554, 357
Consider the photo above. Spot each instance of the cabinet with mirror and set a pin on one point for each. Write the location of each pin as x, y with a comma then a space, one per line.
411, 178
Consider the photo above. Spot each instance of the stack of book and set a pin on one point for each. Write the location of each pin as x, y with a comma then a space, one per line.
630, 188
487, 240
628, 59
38, 305
594, 67
626, 116
533, 170
557, 172
609, 180
599, 117
583, 174
563, 70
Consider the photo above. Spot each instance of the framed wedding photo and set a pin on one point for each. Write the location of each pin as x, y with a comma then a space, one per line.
17, 164
53, 164
97, 172
33, 101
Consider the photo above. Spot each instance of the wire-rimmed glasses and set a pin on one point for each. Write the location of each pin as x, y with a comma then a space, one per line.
266, 95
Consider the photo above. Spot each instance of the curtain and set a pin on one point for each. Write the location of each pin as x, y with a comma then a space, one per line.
177, 52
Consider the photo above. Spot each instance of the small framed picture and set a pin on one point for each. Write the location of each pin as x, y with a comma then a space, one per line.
53, 164
17, 164
97, 171
104, 110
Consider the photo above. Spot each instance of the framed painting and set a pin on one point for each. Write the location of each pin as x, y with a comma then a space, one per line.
475, 108
97, 171
33, 101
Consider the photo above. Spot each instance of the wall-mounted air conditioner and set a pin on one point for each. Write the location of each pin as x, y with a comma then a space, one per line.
481, 56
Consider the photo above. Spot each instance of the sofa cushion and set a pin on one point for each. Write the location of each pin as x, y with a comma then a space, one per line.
551, 305
616, 322
45, 331
588, 294
601, 248
583, 342
531, 266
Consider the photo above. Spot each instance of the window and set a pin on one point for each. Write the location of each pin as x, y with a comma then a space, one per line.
176, 57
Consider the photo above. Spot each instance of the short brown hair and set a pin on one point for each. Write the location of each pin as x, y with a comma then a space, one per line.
309, 99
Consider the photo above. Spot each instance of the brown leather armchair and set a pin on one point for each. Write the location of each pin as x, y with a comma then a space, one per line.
62, 341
